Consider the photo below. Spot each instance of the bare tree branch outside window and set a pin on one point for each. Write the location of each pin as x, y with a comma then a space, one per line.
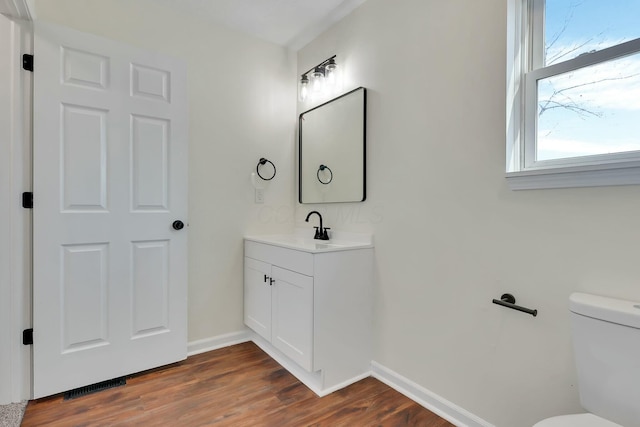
568, 97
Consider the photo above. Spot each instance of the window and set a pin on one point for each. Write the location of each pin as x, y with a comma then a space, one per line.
573, 93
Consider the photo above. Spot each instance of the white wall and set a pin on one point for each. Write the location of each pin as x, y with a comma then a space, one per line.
449, 235
241, 108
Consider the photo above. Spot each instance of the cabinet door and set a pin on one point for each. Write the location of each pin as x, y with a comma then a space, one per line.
257, 297
292, 315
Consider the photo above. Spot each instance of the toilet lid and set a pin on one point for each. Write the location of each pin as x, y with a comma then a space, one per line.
577, 420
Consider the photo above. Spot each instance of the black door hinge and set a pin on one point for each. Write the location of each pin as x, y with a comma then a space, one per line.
27, 62
27, 336
27, 200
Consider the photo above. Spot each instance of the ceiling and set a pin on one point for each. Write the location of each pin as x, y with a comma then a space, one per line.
15, 8
289, 23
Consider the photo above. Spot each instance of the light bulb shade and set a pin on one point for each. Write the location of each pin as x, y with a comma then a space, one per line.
318, 73
304, 87
331, 66
330, 72
317, 84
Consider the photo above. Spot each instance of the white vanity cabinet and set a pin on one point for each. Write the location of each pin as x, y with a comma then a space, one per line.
279, 307
312, 307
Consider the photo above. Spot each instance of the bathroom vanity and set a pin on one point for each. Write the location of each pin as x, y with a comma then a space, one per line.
309, 303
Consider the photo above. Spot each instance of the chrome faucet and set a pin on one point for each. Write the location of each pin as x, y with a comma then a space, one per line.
321, 233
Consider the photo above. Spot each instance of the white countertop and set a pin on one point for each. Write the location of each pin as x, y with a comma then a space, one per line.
302, 240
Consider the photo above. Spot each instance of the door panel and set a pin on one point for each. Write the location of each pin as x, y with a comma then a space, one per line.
110, 177
84, 296
84, 69
150, 83
150, 302
83, 159
150, 171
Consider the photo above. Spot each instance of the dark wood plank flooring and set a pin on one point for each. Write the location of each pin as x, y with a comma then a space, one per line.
233, 386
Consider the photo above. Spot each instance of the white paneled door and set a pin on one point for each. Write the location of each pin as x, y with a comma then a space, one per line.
110, 187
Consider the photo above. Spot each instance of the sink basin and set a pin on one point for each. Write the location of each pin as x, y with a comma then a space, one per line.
338, 242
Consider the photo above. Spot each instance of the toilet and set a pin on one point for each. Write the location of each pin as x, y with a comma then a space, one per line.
606, 344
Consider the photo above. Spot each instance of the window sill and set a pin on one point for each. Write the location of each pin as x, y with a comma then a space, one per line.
627, 173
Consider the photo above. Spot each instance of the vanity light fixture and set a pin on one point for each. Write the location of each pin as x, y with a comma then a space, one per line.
323, 78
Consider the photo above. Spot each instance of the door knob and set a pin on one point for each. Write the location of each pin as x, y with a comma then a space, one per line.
178, 225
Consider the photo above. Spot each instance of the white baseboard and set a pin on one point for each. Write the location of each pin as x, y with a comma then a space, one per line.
344, 384
220, 341
436, 404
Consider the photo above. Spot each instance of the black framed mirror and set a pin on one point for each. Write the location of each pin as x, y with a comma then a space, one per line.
332, 142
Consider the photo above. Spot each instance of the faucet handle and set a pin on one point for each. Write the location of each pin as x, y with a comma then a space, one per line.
325, 235
317, 235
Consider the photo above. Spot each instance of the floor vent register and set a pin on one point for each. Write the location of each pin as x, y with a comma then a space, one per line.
94, 388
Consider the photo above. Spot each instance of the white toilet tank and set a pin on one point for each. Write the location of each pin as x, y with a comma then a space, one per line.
606, 344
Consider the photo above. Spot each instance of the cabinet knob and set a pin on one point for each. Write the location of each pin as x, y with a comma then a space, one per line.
271, 281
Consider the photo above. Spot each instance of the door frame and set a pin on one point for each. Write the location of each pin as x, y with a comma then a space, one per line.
15, 221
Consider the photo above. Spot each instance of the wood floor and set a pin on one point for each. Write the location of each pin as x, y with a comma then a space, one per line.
233, 386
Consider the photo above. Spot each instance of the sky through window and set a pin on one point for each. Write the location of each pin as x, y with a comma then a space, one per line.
595, 110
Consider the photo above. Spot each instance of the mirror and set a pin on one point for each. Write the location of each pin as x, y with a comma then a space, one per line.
332, 150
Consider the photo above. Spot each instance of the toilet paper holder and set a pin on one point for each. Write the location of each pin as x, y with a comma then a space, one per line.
509, 301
